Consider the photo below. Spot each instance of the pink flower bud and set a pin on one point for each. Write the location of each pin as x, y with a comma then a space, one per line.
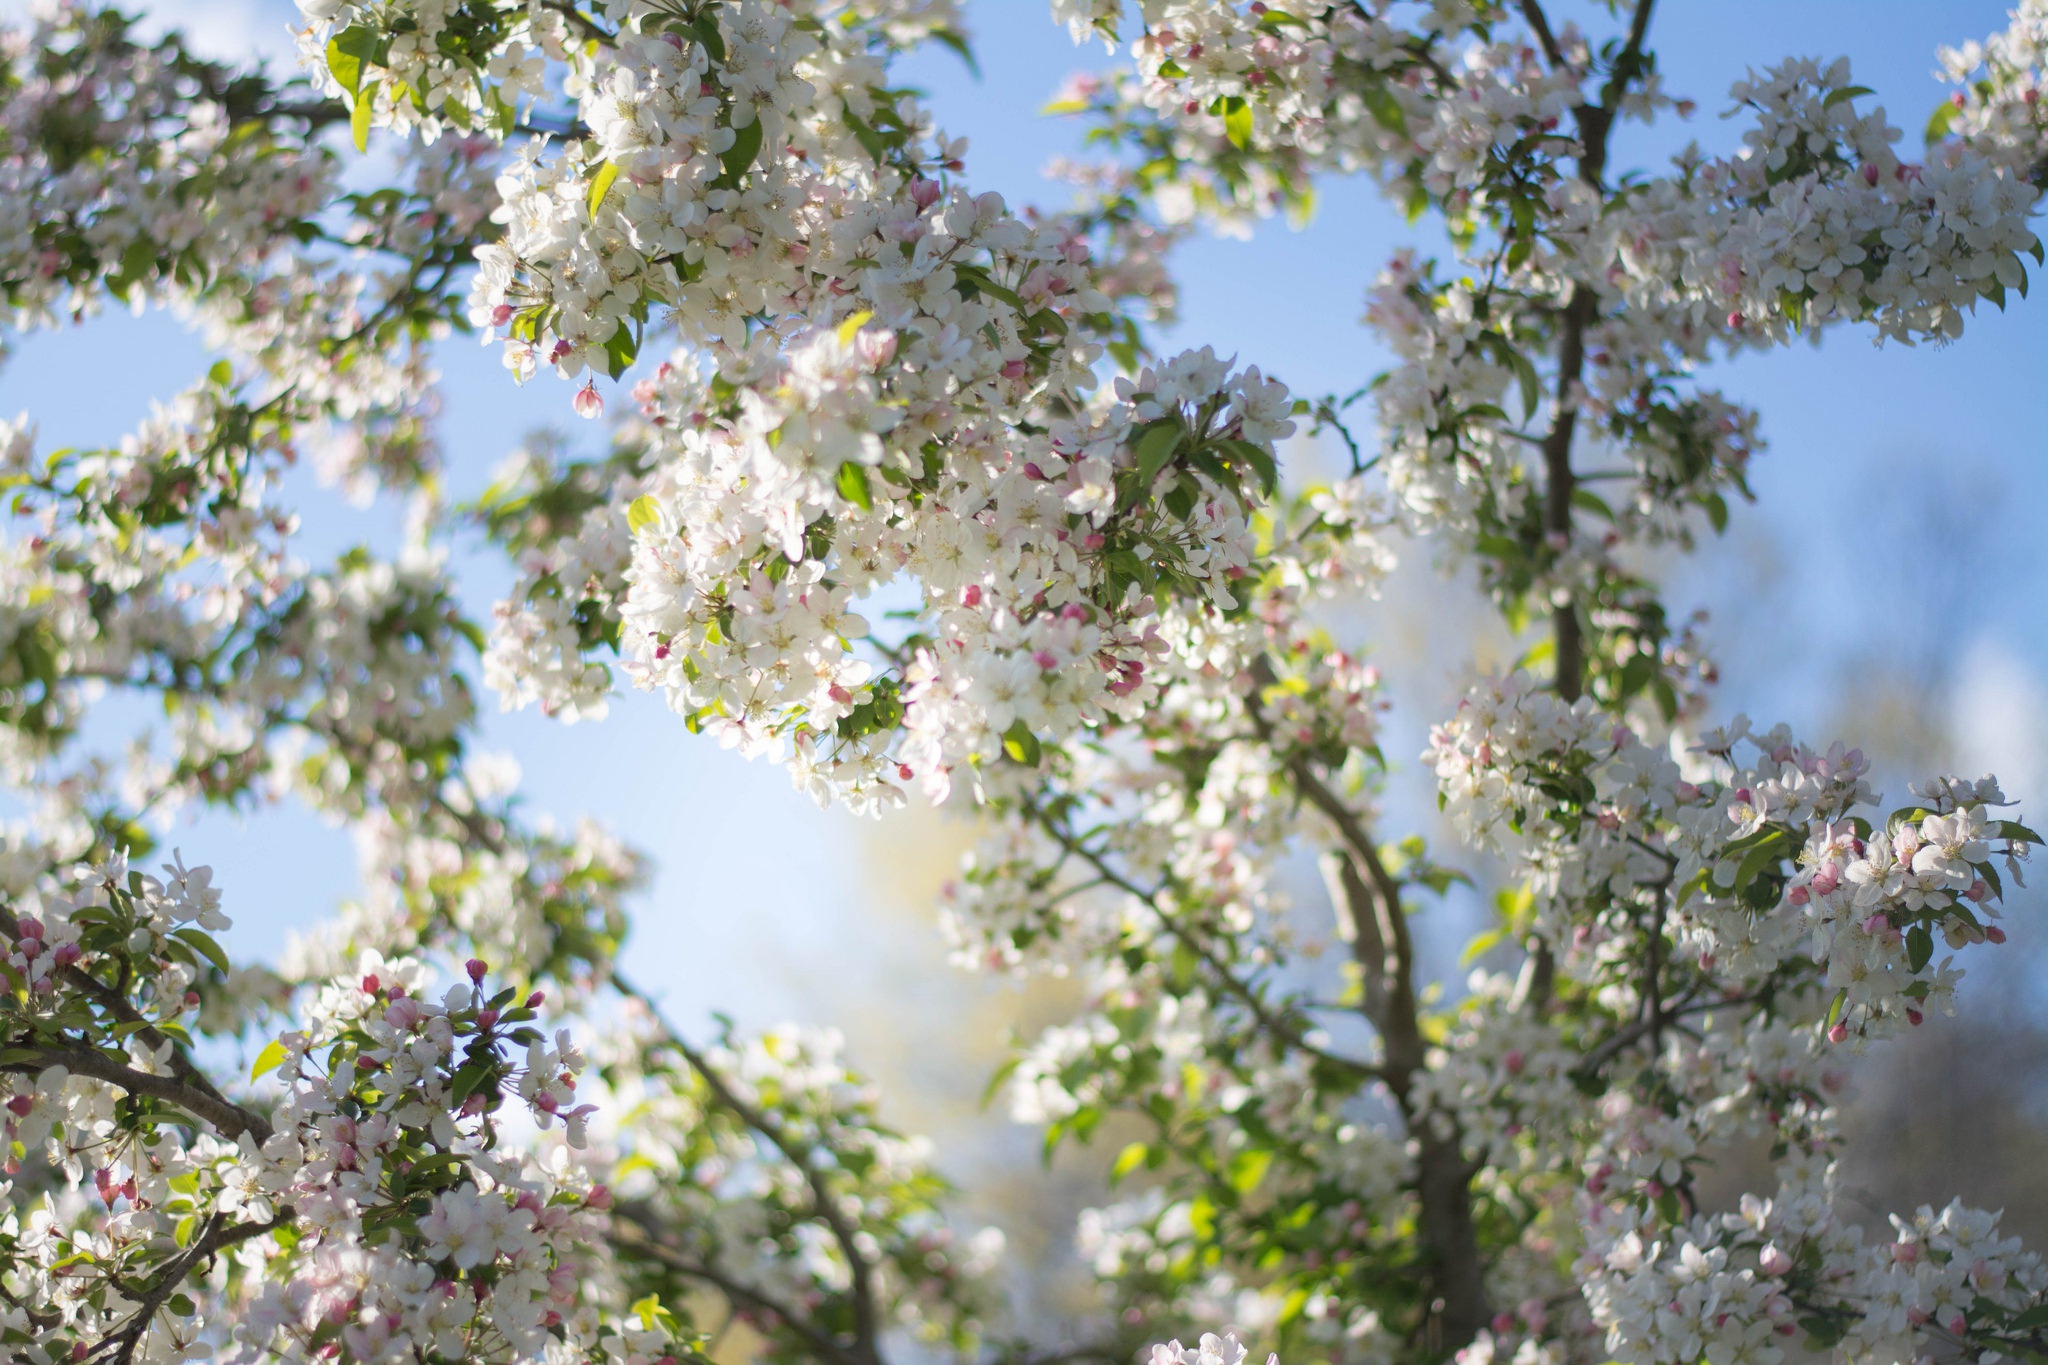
66, 954
1046, 660
501, 315
1513, 1061
486, 1018
924, 193
536, 1000
587, 402
876, 347
1014, 369
370, 985
1774, 1261
970, 596
1839, 1033
1994, 933
476, 968
20, 1105
30, 928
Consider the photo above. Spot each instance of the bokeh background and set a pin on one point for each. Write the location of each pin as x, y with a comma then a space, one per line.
1887, 588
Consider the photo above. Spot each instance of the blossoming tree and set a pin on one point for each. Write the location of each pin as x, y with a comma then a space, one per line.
452, 1129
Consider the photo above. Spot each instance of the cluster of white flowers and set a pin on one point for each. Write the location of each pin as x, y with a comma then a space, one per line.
1758, 860
1746, 1285
866, 339
403, 1111
1815, 220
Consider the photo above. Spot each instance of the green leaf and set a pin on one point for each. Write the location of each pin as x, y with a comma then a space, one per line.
1021, 745
1385, 111
1847, 92
706, 29
1835, 1008
1128, 1160
620, 350
738, 159
601, 184
2018, 833
1248, 1168
359, 120
1155, 448
853, 486
957, 45
202, 943
268, 1060
1525, 375
1717, 511
1237, 121
1937, 123
1919, 947
643, 514
348, 52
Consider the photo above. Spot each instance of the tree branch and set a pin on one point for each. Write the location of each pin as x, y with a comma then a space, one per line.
1539, 24
1228, 979
823, 1201
223, 1116
182, 1066
1385, 953
639, 1229
219, 1235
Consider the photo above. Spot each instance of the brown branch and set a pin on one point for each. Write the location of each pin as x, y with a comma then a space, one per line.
1385, 952
1559, 484
183, 1068
1228, 979
1539, 24
822, 1199
218, 1236
223, 1116
638, 1228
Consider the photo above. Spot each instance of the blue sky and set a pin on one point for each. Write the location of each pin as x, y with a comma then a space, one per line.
755, 887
